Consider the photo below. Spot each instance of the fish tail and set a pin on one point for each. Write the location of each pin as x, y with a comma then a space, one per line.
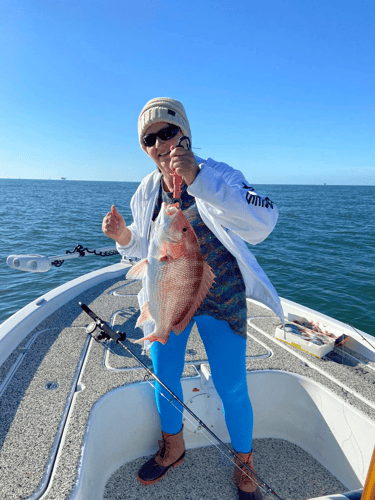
153, 337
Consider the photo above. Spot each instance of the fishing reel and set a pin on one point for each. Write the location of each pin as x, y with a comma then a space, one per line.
99, 330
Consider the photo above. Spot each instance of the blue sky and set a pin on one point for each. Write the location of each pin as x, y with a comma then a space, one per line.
280, 89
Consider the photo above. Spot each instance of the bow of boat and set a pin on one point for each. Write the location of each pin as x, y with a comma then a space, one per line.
78, 420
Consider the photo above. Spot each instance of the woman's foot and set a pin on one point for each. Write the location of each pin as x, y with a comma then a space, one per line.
171, 453
246, 483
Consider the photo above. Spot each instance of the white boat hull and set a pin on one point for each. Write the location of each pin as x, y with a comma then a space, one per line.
318, 405
124, 425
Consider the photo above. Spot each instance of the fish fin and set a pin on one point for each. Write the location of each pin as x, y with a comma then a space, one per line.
164, 257
152, 338
208, 278
138, 271
145, 315
177, 329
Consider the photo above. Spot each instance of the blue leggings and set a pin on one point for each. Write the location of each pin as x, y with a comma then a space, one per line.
226, 353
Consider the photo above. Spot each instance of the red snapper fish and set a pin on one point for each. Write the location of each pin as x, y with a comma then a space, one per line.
177, 277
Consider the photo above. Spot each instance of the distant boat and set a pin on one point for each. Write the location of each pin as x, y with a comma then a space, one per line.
63, 178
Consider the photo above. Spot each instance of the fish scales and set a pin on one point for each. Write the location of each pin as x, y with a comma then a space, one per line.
177, 277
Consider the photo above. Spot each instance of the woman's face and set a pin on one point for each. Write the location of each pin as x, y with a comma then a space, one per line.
159, 152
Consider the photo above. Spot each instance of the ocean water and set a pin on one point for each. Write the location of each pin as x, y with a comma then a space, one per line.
321, 253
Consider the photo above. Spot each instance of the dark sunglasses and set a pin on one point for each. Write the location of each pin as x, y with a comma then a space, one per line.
164, 134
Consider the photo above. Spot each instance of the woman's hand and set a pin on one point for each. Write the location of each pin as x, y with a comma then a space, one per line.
184, 164
114, 227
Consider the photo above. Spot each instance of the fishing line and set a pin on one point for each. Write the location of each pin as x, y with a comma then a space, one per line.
100, 330
364, 338
201, 429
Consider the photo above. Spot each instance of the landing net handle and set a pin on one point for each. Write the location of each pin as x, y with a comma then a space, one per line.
106, 333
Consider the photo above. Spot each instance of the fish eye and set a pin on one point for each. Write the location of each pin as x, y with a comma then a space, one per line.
184, 229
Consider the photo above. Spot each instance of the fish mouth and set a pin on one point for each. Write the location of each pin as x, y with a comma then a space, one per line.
167, 213
165, 219
171, 210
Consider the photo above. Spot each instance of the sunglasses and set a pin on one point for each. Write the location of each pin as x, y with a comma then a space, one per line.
164, 134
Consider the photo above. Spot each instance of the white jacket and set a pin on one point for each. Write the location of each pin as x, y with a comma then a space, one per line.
230, 208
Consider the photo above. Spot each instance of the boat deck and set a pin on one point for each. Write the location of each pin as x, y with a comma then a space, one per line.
206, 474
51, 382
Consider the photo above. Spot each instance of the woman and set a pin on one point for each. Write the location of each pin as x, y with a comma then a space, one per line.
224, 211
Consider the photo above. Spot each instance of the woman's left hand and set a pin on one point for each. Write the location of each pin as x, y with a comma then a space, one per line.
184, 164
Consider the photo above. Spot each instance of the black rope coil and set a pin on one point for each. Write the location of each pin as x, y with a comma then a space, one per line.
81, 250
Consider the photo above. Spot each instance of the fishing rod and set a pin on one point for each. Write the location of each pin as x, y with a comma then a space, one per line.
41, 263
360, 334
99, 330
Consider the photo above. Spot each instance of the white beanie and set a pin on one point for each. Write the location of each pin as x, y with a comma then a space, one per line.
163, 109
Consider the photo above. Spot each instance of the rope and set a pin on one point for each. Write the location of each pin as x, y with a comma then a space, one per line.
82, 252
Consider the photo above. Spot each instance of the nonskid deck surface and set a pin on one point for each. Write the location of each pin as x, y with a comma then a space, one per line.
207, 475
31, 415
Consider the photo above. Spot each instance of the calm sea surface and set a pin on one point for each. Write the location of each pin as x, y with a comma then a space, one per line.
321, 253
